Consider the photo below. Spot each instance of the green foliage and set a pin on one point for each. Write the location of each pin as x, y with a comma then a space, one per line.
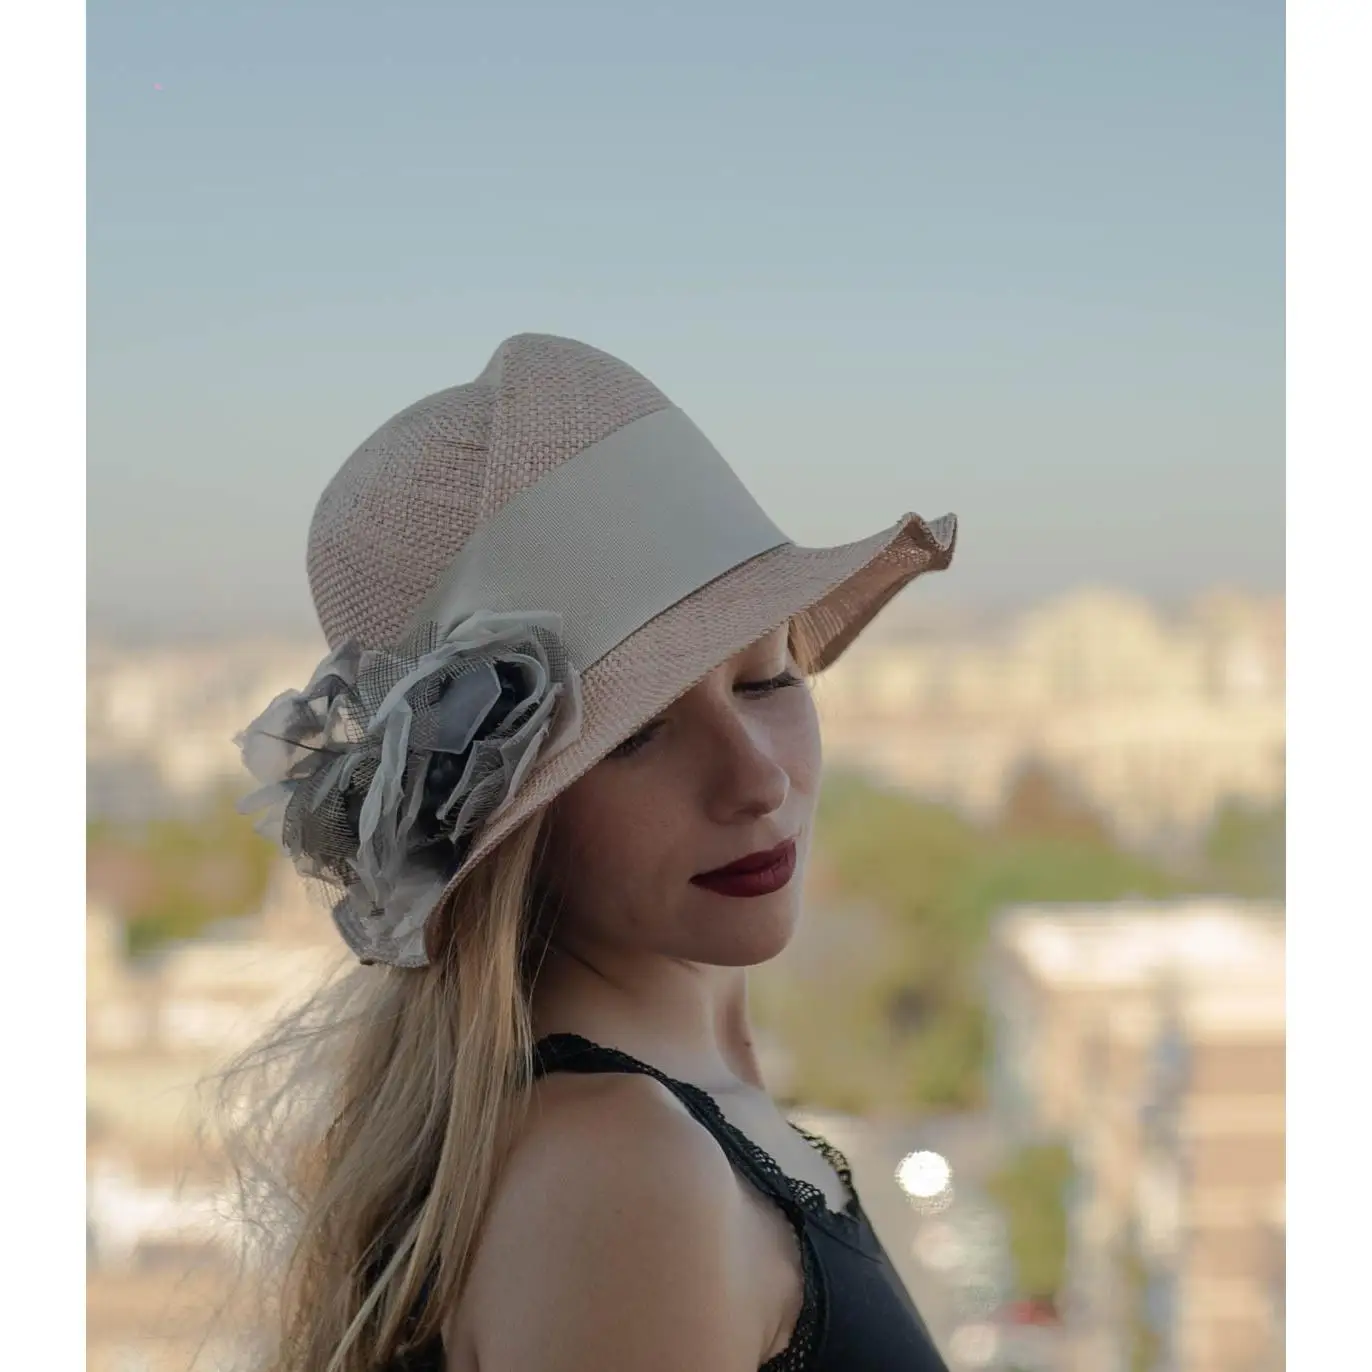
185, 872
1143, 1342
1011, 871
1031, 1190
947, 1057
1245, 850
906, 1004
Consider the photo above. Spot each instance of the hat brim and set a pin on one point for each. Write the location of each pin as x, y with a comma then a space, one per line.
835, 592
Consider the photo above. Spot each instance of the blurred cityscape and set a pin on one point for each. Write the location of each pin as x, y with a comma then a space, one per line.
1154, 720
1037, 998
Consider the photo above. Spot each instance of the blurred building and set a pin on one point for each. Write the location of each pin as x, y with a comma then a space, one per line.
1151, 1039
161, 1251
1154, 722
160, 723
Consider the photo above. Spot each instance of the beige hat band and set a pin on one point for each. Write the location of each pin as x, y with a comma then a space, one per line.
610, 538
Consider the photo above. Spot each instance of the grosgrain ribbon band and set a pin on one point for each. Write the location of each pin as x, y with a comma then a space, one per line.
611, 538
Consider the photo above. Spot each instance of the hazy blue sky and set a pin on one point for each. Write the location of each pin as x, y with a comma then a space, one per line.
1021, 259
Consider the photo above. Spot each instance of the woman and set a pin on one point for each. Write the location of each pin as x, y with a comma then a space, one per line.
557, 779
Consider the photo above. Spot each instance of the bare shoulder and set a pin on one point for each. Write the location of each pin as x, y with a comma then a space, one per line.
618, 1237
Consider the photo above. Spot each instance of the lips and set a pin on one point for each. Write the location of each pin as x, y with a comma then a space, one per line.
759, 874
754, 862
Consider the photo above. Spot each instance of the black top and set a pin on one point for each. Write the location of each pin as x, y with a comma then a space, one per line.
857, 1315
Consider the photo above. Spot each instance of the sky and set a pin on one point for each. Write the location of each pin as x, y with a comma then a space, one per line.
1019, 261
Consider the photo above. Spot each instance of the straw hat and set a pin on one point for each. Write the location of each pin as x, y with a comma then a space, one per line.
514, 575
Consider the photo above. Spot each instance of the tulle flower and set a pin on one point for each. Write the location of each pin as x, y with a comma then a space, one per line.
375, 778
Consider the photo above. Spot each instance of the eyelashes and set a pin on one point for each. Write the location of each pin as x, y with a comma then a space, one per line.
753, 689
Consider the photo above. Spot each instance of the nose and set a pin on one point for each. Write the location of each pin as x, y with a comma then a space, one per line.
744, 779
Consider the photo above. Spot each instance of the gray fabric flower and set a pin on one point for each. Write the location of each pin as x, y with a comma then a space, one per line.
378, 774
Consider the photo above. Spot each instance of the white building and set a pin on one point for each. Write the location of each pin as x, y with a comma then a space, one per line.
1151, 1038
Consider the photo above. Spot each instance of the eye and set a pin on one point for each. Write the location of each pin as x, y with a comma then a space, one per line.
634, 742
771, 685
754, 689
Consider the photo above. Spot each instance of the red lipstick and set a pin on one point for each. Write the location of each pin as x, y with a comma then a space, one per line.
758, 874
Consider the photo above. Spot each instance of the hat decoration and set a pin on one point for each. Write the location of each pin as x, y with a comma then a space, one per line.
375, 776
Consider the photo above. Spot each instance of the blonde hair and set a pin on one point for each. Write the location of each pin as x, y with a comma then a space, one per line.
367, 1130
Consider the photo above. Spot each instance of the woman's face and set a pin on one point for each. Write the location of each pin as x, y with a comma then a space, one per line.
731, 769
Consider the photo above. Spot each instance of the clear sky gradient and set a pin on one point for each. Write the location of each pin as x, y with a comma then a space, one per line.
1023, 261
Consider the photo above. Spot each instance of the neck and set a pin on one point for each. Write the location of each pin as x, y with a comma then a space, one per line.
688, 1020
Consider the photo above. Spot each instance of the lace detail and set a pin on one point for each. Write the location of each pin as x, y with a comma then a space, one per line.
798, 1199
816, 1200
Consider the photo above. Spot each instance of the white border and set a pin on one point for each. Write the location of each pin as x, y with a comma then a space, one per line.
42, 688
1329, 46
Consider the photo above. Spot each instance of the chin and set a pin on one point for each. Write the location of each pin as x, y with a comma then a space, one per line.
746, 933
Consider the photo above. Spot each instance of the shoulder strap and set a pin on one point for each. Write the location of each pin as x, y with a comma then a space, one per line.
572, 1053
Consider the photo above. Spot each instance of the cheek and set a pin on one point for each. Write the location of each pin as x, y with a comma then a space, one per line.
800, 748
613, 825
607, 831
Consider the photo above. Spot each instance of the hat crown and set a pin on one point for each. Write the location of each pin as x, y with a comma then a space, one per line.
402, 506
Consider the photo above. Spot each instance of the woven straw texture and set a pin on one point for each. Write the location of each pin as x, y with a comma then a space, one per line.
401, 506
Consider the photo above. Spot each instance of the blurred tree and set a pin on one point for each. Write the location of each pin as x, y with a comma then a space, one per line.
1012, 870
1245, 850
170, 878
891, 1015
1144, 1343
1031, 1190
1042, 804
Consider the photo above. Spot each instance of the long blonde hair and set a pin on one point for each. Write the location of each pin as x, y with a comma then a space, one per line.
367, 1130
